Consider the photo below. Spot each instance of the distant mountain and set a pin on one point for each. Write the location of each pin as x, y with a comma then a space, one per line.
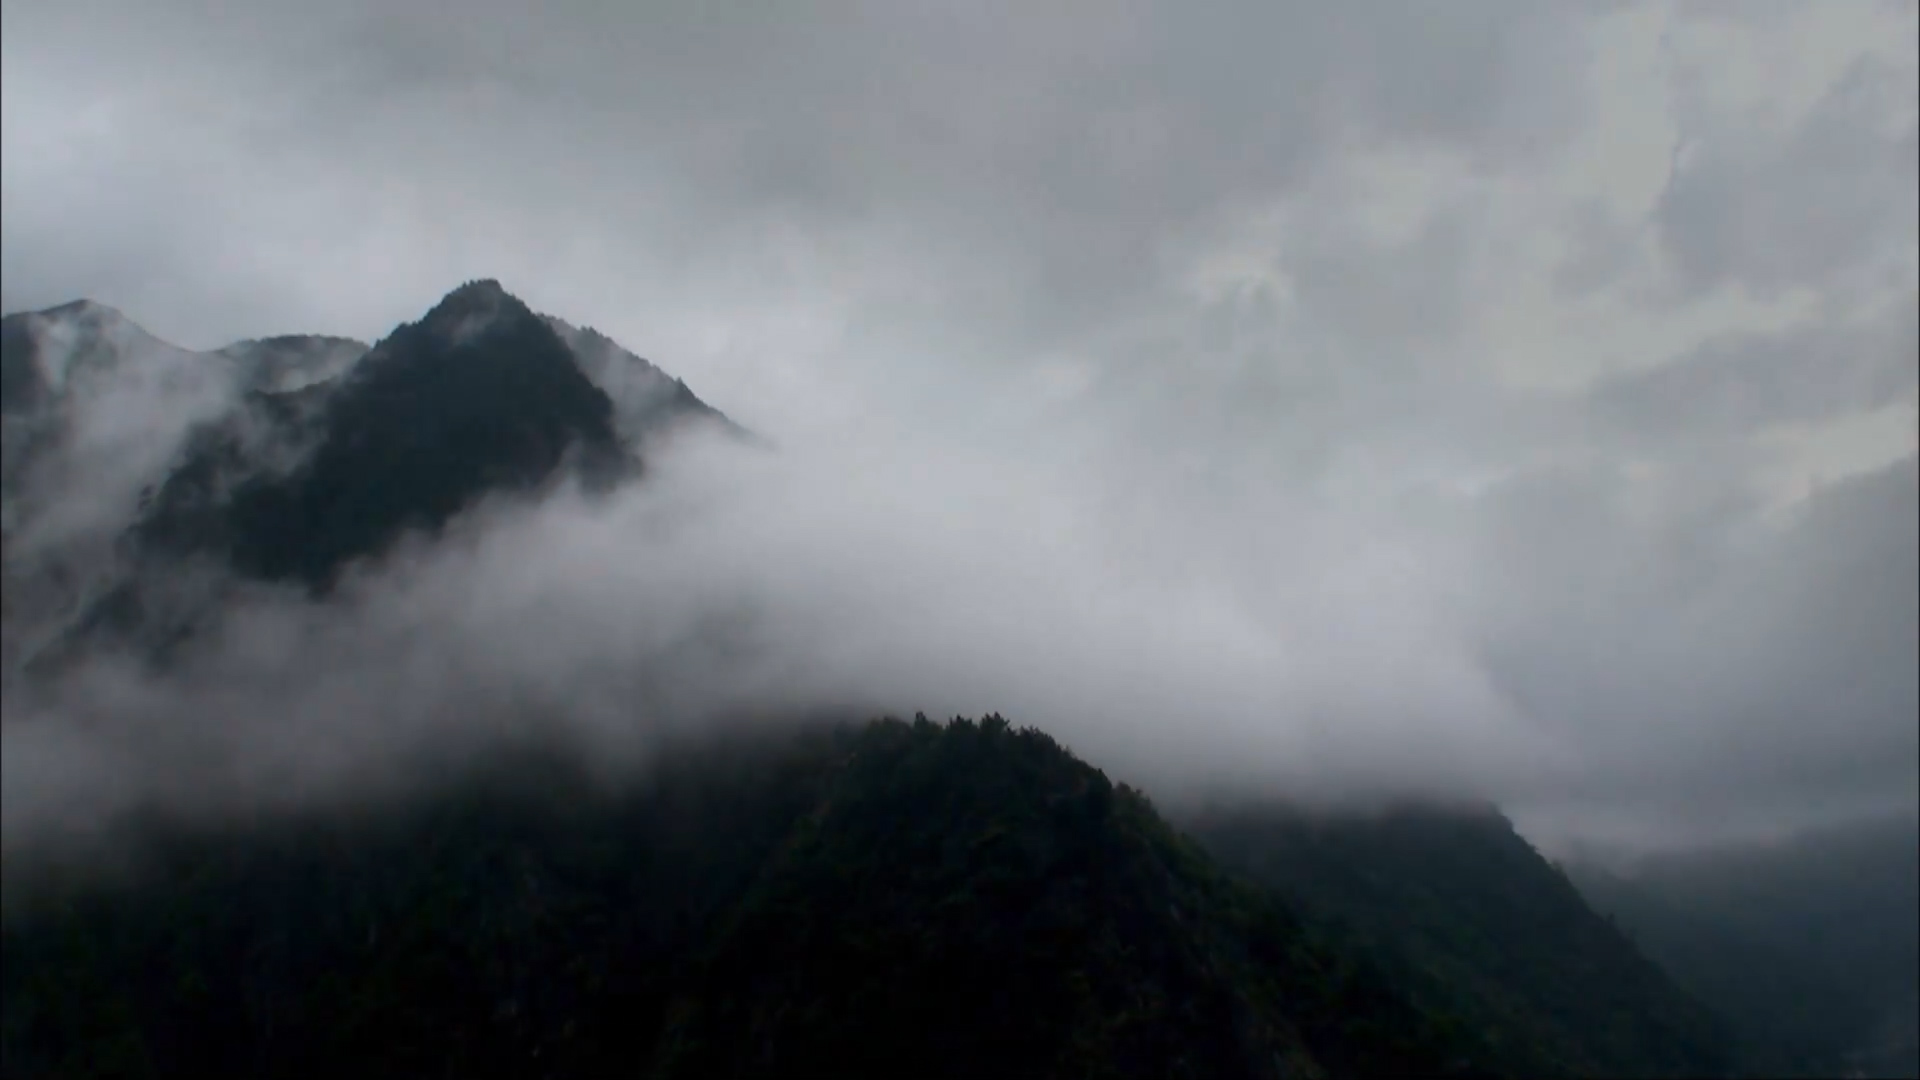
293, 361
89, 398
93, 410
1810, 946
143, 479
899, 900
480, 395
1459, 909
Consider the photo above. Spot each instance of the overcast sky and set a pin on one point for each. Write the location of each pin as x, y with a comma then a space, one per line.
1519, 385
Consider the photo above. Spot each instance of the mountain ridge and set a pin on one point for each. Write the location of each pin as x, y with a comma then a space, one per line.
1809, 946
479, 395
1463, 909
889, 899
883, 894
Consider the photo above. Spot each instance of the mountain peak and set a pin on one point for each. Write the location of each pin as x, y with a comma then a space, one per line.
473, 309
479, 395
89, 318
81, 308
479, 289
81, 339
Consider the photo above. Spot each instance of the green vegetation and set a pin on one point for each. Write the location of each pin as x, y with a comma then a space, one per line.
1460, 910
894, 900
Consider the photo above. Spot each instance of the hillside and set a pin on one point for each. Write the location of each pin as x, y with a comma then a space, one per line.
896, 900
1811, 947
1460, 909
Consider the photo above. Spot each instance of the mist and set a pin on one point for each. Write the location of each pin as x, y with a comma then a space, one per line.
1513, 402
1339, 660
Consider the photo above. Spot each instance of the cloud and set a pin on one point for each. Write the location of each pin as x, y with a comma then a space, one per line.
1724, 667
1324, 392
1741, 383
1827, 198
1309, 648
735, 583
121, 403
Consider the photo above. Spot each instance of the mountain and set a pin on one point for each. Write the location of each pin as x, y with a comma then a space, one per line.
1459, 909
480, 395
1811, 946
925, 900
646, 400
894, 899
87, 395
93, 410
293, 361
144, 482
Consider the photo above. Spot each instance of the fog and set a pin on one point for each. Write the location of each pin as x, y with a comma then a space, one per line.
1515, 401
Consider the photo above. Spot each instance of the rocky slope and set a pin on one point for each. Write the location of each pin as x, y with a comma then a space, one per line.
143, 480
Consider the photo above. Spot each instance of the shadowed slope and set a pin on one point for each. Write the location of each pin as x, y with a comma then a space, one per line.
1461, 910
899, 900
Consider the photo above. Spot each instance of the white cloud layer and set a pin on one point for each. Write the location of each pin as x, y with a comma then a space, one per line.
1510, 396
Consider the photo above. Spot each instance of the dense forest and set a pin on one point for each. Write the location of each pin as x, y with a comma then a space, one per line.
898, 899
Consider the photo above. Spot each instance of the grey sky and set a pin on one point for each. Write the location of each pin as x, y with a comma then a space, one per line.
1521, 394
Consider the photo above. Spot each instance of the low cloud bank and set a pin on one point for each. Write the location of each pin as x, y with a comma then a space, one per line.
1307, 647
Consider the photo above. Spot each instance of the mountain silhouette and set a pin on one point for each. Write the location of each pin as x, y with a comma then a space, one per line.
288, 458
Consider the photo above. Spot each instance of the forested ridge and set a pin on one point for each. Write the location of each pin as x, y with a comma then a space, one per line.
924, 899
